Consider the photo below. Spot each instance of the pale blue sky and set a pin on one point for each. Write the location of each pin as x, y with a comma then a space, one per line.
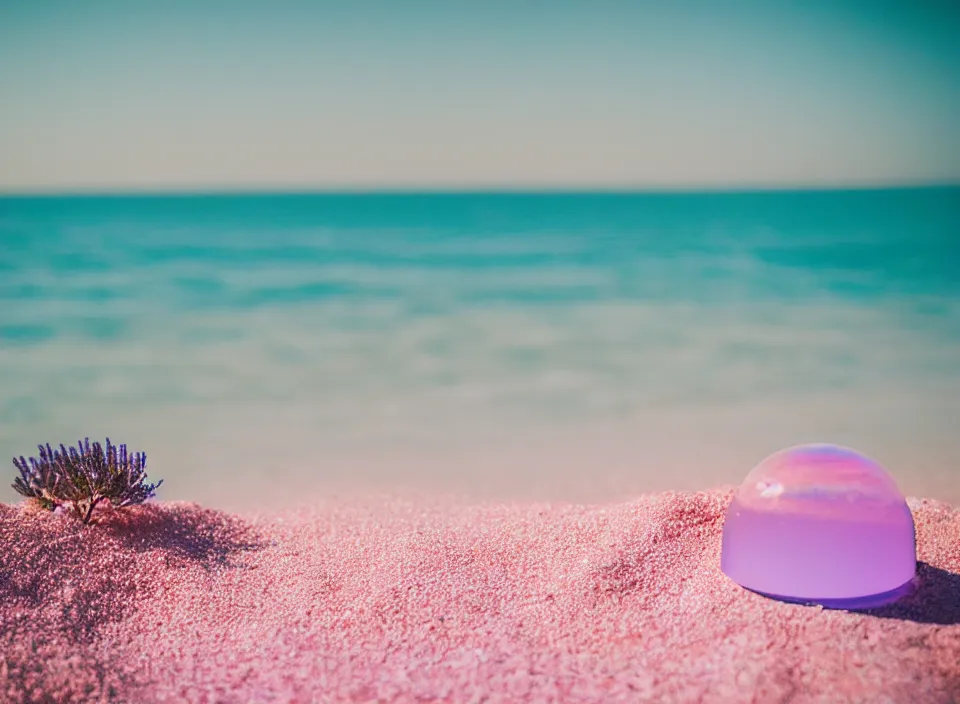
358, 94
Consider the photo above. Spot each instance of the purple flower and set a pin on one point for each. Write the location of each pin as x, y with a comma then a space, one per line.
82, 477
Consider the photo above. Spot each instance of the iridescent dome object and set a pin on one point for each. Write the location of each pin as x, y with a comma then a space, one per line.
820, 524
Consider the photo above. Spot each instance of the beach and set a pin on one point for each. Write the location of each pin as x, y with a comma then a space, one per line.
428, 599
435, 447
479, 353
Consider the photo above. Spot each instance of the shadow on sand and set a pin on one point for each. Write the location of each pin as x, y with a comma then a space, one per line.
936, 599
185, 532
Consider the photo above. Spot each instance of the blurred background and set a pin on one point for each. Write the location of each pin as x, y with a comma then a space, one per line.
564, 251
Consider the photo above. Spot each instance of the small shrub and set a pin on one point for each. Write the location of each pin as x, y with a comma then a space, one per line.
82, 477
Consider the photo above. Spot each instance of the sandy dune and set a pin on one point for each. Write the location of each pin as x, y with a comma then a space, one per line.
420, 600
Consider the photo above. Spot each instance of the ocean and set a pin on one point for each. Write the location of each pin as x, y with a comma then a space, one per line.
264, 349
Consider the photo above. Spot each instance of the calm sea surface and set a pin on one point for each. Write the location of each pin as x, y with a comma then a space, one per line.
265, 349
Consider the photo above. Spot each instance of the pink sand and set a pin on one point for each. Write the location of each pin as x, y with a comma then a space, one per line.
434, 601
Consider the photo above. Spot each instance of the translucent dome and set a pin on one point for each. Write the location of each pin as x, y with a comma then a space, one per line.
820, 524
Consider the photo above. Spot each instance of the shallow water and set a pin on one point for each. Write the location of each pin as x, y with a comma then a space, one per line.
264, 349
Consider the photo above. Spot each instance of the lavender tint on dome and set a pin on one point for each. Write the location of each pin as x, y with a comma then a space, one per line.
820, 524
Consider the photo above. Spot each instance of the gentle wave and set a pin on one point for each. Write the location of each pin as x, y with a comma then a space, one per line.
473, 317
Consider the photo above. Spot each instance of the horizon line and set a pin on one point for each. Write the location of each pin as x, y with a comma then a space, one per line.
426, 189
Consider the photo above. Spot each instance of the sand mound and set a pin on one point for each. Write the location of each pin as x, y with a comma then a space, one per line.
428, 601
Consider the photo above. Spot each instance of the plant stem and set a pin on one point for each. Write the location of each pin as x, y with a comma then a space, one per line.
93, 504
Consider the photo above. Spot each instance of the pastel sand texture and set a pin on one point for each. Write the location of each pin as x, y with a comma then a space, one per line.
822, 524
429, 600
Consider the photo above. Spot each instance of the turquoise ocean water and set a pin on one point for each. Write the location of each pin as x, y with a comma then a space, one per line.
266, 348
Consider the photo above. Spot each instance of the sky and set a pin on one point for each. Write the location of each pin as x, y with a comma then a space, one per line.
201, 95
